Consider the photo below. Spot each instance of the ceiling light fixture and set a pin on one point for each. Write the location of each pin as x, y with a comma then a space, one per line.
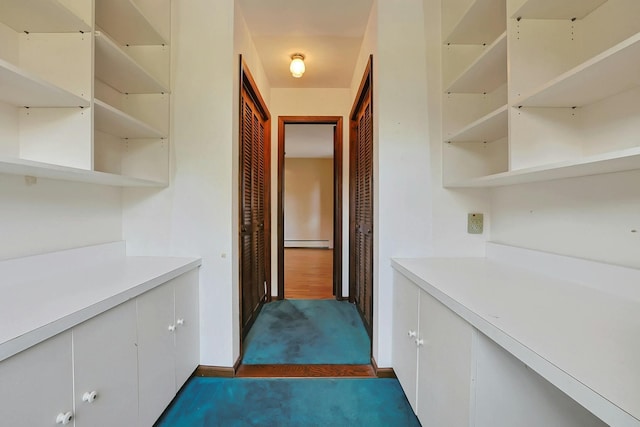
297, 67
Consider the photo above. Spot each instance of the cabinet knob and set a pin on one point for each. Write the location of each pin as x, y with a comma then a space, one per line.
172, 328
412, 334
90, 396
419, 342
180, 322
64, 418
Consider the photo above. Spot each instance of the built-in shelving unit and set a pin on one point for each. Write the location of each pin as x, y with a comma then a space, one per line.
609, 73
568, 111
486, 73
15, 166
125, 18
84, 102
491, 127
481, 23
21, 88
41, 16
117, 69
115, 122
554, 9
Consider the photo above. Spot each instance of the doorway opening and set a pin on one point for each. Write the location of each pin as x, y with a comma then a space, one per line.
310, 207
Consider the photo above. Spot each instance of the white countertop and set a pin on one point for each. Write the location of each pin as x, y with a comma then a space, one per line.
581, 339
45, 305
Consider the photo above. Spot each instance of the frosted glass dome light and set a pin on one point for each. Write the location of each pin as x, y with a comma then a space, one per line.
297, 67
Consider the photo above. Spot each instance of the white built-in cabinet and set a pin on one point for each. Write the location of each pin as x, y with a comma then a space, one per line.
538, 90
432, 356
168, 348
122, 367
454, 375
84, 90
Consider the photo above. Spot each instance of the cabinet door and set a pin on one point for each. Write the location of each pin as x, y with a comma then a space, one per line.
444, 365
156, 372
105, 363
405, 331
187, 326
37, 384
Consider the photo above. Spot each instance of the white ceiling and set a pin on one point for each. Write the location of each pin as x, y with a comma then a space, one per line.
308, 141
328, 32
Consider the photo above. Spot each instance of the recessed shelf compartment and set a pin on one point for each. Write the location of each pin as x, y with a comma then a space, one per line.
482, 22
41, 16
491, 127
556, 9
115, 122
23, 89
613, 71
15, 166
120, 71
617, 161
486, 73
126, 23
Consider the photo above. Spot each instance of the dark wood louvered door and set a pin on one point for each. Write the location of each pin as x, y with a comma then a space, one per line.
361, 199
254, 236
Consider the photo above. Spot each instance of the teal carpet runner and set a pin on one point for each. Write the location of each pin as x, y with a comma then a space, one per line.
302, 332
231, 402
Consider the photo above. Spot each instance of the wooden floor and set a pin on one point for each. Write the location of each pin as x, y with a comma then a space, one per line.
308, 273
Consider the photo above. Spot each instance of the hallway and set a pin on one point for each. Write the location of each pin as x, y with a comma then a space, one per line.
308, 273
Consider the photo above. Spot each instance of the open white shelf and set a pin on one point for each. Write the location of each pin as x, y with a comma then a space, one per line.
557, 9
126, 23
486, 73
616, 161
23, 89
40, 16
15, 166
118, 70
489, 128
115, 122
611, 72
482, 22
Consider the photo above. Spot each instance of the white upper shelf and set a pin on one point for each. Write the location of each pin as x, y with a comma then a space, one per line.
489, 128
482, 22
613, 71
557, 9
40, 16
486, 73
117, 69
23, 89
16, 166
115, 122
617, 161
126, 23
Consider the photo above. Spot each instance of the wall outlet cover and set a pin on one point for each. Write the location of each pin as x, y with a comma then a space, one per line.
475, 223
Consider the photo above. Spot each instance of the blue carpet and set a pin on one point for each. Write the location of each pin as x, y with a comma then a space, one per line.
307, 332
232, 402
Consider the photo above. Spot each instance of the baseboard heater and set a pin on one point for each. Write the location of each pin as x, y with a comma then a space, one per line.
307, 244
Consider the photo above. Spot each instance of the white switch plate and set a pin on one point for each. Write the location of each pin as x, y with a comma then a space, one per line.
475, 223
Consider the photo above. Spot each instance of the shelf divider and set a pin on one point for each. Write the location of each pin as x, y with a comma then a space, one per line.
126, 23
16, 166
23, 89
120, 71
616, 161
482, 22
486, 73
41, 16
606, 74
555, 9
115, 122
489, 128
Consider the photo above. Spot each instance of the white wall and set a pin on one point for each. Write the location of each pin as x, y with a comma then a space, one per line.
197, 214
308, 201
591, 217
54, 215
310, 102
